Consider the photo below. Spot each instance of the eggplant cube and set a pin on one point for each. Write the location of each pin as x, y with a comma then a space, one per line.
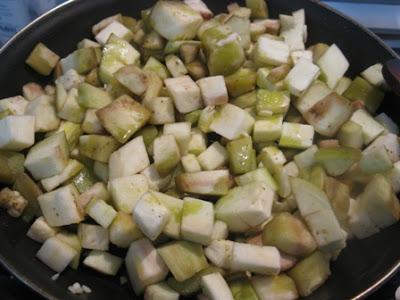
103, 262
91, 123
162, 109
101, 212
301, 76
214, 157
184, 259
123, 230
219, 253
17, 132
185, 93
215, 287
370, 127
220, 231
93, 237
115, 28
217, 182
127, 191
15, 105
60, 207
181, 131
56, 254
374, 76
90, 96
277, 287
132, 78
333, 65
272, 158
329, 114
268, 129
144, 265
297, 136
190, 163
269, 103
151, 216
360, 223
123, 117
271, 52
166, 154
42, 59
213, 90
160, 291
231, 122
82, 60
264, 260
197, 220
40, 230
316, 92
198, 142
122, 163
245, 207
155, 180
72, 169
175, 20
97, 147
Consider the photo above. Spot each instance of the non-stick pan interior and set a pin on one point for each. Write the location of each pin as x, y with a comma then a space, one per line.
359, 266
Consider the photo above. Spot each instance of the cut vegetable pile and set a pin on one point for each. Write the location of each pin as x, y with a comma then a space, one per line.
228, 159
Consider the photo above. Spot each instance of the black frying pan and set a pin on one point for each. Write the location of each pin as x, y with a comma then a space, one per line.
361, 268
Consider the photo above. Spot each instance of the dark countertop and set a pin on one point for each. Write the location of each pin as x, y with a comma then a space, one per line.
11, 289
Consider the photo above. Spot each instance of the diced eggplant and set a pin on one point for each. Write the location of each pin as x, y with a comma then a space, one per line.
123, 230
17, 132
160, 291
113, 28
93, 237
181, 131
214, 157
301, 76
190, 163
92, 97
241, 82
272, 158
360, 224
371, 129
101, 212
82, 60
103, 262
70, 110
213, 90
374, 76
258, 175
337, 161
269, 51
166, 154
275, 287
40, 230
351, 135
73, 168
185, 93
296, 136
97, 147
215, 287
42, 59
333, 65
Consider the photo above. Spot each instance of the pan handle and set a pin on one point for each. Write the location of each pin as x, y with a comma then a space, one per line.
391, 73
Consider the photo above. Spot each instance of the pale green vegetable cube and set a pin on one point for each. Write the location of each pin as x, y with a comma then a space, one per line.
197, 220
213, 90
275, 287
72, 240
97, 190
17, 105
268, 129
252, 202
72, 132
91, 123
43, 110
207, 116
241, 82
157, 67
144, 265
296, 55
375, 160
217, 182
70, 79
214, 157
316, 92
297, 136
17, 132
242, 290
101, 212
127, 191
181, 131
151, 216
175, 20
333, 65
40, 230
310, 273
93, 237
301, 76
175, 66
269, 103
73, 168
70, 109
374, 76
371, 128
160, 291
60, 207
219, 252
185, 93
220, 231
336, 161
56, 254
306, 159
270, 52
123, 230
103, 262
215, 287
360, 224
241, 25
241, 155
131, 117
97, 147
184, 259
272, 158
351, 135
231, 122
113, 28
166, 154
133, 78
190, 163
342, 85
90, 96
155, 180
48, 157
198, 142
162, 109
258, 175
42, 59
82, 60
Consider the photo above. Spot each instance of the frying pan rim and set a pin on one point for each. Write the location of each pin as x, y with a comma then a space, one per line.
25, 279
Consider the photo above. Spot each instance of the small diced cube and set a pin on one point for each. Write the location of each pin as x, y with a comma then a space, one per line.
374, 76
333, 65
214, 157
185, 93
155, 180
269, 103
268, 129
17, 132
42, 59
162, 109
32, 90
215, 287
271, 52
160, 291
40, 230
175, 66
301, 76
133, 78
122, 163
297, 136
93, 237
126, 191
231, 122
113, 28
190, 163
151, 216
144, 265
103, 262
166, 154
91, 123
101, 212
220, 231
197, 220
370, 127
213, 90
14, 105
272, 158
198, 142
97, 147
60, 207
181, 131
56, 254
72, 169
299, 54
123, 230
